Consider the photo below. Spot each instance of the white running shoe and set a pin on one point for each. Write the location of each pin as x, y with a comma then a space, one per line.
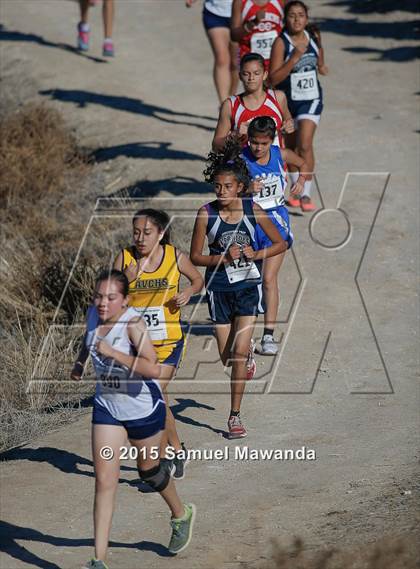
268, 345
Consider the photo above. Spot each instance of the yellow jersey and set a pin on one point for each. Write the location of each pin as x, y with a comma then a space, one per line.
154, 292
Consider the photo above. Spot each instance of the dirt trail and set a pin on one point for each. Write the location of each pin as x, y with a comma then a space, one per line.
150, 113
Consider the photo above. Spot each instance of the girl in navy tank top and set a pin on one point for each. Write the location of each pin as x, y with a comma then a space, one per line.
233, 271
297, 58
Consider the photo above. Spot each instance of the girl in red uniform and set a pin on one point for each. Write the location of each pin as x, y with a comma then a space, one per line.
255, 26
238, 110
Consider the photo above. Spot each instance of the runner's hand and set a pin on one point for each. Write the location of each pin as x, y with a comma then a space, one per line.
243, 128
289, 126
77, 372
323, 70
249, 253
189, 3
260, 16
104, 348
256, 186
233, 253
182, 298
132, 271
297, 189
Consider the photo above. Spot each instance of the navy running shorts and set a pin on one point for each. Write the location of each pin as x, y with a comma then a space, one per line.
280, 218
137, 429
306, 109
225, 305
211, 20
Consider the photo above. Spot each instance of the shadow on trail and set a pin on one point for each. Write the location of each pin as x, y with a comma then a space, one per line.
176, 185
183, 404
127, 104
63, 460
150, 149
377, 6
406, 30
397, 54
11, 533
12, 35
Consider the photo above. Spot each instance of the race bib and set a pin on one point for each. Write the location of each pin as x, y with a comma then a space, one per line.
241, 270
304, 86
154, 317
271, 194
262, 43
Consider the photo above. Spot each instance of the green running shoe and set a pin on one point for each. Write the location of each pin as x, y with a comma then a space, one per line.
95, 564
182, 530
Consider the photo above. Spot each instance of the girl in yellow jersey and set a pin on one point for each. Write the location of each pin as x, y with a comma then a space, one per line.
153, 267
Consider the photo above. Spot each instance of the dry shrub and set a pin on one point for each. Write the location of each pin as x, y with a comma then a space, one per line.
44, 198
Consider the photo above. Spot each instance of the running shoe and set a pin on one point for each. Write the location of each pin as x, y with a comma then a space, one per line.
179, 463
236, 428
95, 564
293, 201
168, 464
108, 48
182, 530
82, 38
251, 364
268, 345
306, 204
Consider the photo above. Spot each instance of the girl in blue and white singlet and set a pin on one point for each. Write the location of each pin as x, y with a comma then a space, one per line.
266, 165
128, 404
233, 268
296, 59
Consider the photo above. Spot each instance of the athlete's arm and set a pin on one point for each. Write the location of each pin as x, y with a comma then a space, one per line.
118, 262
223, 126
280, 69
295, 160
145, 363
131, 271
187, 269
79, 365
288, 122
198, 240
278, 244
239, 29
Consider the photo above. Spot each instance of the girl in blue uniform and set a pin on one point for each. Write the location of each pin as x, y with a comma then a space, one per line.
265, 163
233, 268
127, 405
296, 59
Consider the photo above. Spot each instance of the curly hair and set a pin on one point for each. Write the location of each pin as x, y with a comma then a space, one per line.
228, 161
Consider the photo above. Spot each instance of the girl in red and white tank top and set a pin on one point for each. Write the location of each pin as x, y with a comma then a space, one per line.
239, 110
256, 24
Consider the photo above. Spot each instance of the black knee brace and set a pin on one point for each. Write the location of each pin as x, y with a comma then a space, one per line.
157, 478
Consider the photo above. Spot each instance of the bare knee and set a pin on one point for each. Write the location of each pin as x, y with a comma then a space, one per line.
105, 482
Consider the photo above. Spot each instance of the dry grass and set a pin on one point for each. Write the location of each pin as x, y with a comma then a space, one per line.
43, 179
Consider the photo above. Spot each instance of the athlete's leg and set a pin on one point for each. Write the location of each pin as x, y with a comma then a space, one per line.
271, 270
84, 11
108, 17
147, 462
306, 133
244, 328
234, 67
219, 39
225, 334
169, 435
106, 481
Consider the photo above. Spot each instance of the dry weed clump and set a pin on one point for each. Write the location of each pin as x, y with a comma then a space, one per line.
392, 553
44, 199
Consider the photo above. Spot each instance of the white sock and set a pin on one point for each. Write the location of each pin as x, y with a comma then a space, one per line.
84, 27
108, 40
307, 189
293, 177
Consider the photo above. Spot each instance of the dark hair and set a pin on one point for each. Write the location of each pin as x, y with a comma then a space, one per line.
114, 275
295, 3
160, 219
251, 57
228, 161
263, 125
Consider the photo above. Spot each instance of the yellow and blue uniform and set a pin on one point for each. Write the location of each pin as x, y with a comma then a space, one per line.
153, 292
